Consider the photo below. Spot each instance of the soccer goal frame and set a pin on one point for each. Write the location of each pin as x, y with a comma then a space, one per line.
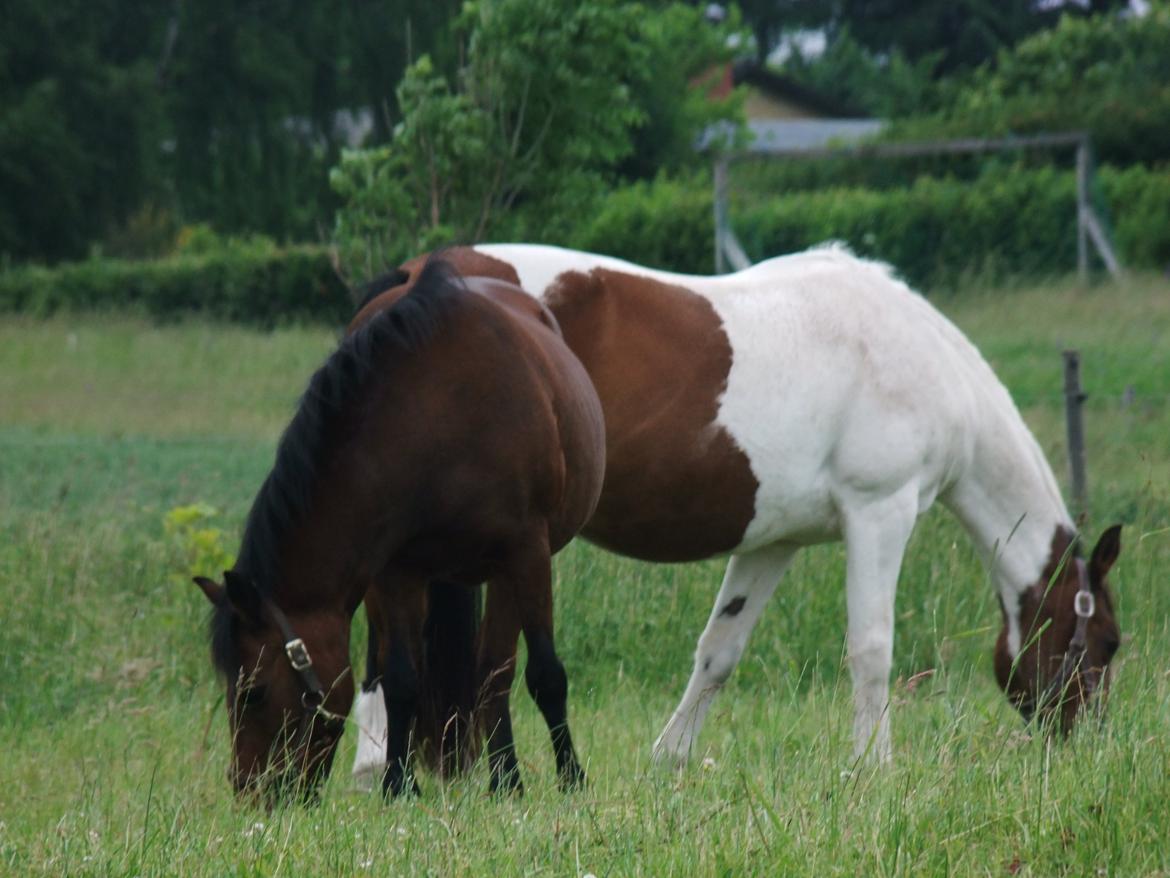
730, 255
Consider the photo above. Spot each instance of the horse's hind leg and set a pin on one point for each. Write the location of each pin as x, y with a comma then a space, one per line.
549, 686
545, 675
748, 583
876, 534
496, 669
530, 583
400, 620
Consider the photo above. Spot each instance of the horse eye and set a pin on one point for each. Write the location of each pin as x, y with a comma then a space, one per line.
1110, 646
253, 695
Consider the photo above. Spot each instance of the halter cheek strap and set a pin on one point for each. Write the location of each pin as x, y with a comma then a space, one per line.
298, 657
1084, 605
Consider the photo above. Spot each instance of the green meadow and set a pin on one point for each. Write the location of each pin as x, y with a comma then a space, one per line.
113, 738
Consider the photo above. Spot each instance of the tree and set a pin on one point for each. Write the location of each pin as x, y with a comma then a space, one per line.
541, 116
81, 123
218, 111
952, 35
771, 20
1104, 74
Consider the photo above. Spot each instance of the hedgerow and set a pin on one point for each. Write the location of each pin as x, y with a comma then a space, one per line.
257, 285
1009, 221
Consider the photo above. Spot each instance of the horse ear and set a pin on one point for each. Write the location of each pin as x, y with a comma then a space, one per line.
211, 588
242, 596
1105, 554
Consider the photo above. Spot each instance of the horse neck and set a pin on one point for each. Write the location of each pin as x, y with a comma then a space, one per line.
344, 539
313, 561
1008, 498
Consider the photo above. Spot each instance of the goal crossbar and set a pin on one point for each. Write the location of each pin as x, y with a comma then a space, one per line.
729, 253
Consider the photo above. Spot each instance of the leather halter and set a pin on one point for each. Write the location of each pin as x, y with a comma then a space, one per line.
1084, 605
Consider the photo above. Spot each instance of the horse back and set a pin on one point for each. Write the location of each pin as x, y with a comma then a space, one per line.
464, 260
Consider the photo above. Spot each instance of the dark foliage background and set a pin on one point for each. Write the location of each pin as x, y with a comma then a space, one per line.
135, 131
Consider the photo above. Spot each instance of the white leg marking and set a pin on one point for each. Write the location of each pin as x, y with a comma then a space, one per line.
748, 583
875, 541
369, 715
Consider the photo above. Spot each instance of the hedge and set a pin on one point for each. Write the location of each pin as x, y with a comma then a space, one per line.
264, 286
665, 224
1011, 221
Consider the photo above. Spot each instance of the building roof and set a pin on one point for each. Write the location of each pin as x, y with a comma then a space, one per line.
784, 115
780, 87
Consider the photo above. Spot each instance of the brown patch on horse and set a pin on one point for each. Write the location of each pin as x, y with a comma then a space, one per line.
464, 260
677, 487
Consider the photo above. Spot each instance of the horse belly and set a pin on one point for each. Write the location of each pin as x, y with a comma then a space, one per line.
673, 497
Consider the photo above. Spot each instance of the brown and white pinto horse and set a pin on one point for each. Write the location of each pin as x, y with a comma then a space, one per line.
811, 398
452, 436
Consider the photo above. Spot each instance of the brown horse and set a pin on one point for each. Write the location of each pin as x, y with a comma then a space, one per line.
451, 437
808, 399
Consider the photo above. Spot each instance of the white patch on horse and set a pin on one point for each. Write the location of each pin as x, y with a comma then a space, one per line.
749, 582
369, 715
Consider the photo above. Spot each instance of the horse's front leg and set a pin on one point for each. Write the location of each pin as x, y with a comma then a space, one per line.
876, 533
400, 615
747, 585
496, 668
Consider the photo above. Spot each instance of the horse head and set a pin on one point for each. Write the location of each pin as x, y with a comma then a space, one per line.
288, 686
1067, 635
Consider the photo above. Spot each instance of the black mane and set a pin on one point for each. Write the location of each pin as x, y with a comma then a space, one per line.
321, 421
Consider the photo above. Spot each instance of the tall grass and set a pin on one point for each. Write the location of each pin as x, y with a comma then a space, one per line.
114, 744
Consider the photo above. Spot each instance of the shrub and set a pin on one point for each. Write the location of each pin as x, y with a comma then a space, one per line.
255, 282
201, 545
665, 224
1107, 74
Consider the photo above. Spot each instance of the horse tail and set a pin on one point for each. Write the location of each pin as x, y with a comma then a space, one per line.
445, 736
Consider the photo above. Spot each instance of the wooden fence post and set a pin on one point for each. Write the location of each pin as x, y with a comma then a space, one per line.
1074, 397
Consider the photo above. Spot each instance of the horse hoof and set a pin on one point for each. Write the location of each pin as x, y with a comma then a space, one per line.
573, 780
668, 757
506, 785
396, 785
365, 777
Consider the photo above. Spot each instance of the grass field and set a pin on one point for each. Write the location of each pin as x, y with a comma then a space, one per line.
113, 746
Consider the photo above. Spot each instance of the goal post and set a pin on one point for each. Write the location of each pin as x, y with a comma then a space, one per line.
1090, 230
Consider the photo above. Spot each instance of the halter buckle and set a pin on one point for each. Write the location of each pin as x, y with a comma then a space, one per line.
298, 655
1084, 605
